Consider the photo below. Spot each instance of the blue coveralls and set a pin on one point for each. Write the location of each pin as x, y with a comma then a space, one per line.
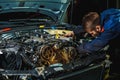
110, 20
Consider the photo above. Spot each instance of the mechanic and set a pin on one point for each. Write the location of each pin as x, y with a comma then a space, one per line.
105, 27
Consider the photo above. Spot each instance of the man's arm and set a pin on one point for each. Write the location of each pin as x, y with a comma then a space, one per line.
78, 29
79, 32
98, 43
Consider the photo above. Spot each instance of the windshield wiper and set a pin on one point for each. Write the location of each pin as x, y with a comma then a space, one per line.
29, 20
17, 21
24, 22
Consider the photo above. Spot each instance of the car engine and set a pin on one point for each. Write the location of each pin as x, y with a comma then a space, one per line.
26, 50
34, 54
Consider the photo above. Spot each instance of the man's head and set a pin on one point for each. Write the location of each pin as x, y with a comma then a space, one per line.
91, 23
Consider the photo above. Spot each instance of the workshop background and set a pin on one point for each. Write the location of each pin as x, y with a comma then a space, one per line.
79, 8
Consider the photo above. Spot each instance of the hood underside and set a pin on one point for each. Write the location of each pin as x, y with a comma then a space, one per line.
53, 8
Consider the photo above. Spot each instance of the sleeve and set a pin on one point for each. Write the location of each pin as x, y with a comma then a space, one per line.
78, 32
78, 29
98, 43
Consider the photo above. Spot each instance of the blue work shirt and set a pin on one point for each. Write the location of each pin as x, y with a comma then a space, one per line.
110, 20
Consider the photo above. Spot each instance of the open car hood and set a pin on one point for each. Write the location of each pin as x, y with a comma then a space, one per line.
52, 8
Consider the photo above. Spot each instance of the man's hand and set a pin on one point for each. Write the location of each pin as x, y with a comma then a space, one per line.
69, 34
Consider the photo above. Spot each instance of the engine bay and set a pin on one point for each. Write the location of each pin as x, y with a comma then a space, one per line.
34, 49
30, 54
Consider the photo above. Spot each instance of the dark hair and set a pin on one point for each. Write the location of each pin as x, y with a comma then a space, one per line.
91, 20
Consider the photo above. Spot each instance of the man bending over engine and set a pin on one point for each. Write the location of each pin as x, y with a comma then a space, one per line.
106, 30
